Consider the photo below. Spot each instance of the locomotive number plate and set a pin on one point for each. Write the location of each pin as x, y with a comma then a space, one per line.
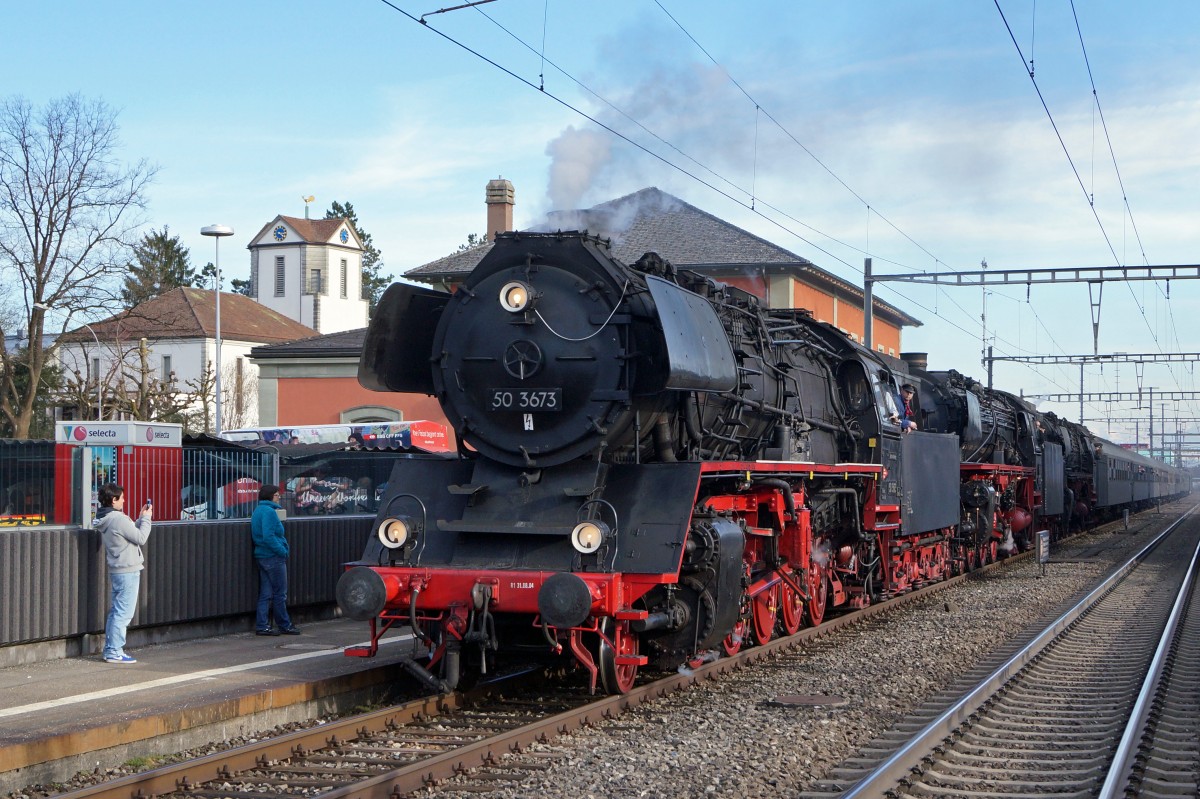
526, 399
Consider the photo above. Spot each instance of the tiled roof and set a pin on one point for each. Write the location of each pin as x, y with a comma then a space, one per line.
310, 231
191, 313
688, 237
457, 263
347, 343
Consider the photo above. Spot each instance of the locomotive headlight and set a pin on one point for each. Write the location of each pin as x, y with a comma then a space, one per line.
394, 533
588, 536
515, 296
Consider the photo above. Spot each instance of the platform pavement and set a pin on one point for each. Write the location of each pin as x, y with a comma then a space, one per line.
61, 716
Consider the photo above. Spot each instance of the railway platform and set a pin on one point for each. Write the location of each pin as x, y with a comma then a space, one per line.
59, 717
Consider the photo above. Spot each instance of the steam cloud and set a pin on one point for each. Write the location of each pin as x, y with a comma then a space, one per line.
578, 156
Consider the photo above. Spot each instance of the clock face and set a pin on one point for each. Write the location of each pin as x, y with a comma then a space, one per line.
345, 236
280, 233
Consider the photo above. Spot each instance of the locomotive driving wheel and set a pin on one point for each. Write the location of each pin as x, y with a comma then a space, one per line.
617, 677
764, 610
791, 610
818, 592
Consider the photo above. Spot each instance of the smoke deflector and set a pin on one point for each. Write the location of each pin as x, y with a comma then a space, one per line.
698, 349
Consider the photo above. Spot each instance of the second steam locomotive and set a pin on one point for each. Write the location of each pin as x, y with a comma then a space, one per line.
653, 466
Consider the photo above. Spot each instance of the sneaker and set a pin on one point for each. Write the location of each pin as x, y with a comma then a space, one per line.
266, 632
120, 659
291, 631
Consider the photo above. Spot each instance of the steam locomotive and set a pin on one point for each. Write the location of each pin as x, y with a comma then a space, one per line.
653, 468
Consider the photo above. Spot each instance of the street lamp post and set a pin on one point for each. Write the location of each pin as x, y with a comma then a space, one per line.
99, 389
217, 232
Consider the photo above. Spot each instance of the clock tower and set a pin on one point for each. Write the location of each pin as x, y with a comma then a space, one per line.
310, 270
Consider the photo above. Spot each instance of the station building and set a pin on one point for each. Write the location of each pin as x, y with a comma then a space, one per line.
691, 238
315, 380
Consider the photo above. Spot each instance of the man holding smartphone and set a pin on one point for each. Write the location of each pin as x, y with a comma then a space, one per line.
123, 540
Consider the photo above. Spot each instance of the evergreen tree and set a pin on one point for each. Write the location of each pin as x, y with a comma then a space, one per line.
374, 282
473, 240
207, 276
162, 264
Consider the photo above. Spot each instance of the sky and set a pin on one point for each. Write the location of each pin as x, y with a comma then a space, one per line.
909, 132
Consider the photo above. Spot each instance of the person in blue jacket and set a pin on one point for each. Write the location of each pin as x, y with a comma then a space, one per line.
271, 554
908, 419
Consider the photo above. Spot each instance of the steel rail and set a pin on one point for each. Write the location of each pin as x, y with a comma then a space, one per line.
1119, 775
901, 762
189, 775
186, 775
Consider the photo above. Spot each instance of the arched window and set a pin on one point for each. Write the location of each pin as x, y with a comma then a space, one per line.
364, 414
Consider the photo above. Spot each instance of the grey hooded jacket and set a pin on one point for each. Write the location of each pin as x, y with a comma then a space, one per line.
123, 539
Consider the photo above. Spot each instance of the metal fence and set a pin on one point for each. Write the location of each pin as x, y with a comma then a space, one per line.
27, 483
53, 581
223, 482
210, 483
200, 567
339, 482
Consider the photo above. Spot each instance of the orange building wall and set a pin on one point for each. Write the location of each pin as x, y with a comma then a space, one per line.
846, 316
818, 302
755, 284
321, 400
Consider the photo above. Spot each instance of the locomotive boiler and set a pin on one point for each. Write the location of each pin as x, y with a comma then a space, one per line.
651, 467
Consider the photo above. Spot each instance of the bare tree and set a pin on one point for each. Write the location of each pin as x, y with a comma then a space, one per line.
68, 220
203, 389
239, 401
146, 396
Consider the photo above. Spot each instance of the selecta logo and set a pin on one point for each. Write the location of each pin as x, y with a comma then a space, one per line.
149, 434
78, 433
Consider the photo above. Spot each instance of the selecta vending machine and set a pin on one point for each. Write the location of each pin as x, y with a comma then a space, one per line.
145, 458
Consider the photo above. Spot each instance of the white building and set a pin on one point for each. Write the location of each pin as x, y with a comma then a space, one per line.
175, 334
310, 270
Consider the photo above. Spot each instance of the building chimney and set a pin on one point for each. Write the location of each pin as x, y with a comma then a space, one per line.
916, 360
500, 202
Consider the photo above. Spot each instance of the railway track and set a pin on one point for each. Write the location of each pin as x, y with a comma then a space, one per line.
400, 750
1099, 704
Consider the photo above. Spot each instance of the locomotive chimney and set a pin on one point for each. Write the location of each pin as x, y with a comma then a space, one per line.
500, 202
916, 360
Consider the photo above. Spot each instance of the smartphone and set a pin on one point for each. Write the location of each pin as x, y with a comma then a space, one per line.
149, 502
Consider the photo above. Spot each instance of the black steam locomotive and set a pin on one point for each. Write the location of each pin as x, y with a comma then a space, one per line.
653, 467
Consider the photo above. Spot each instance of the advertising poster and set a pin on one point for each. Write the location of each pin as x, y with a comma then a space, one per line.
104, 470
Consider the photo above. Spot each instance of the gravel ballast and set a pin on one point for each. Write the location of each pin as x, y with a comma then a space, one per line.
731, 738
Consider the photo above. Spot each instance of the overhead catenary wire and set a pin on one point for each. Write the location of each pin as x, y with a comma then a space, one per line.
753, 204
1075, 170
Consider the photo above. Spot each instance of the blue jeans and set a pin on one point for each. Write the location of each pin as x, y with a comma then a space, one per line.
124, 603
272, 593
